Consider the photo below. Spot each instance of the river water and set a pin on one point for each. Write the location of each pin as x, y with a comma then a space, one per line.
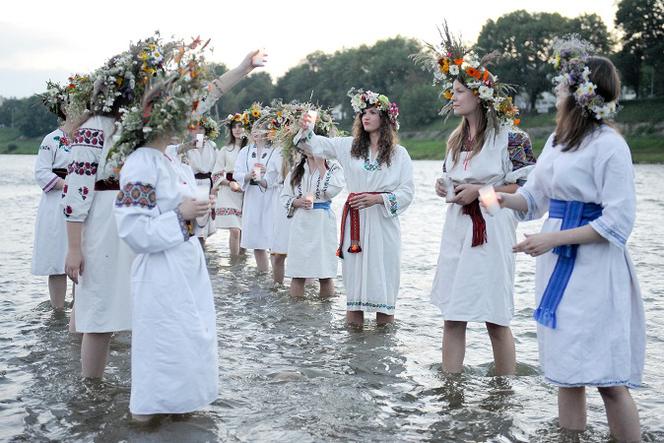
291, 370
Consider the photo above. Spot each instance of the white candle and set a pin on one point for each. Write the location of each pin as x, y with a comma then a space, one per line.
257, 173
449, 188
310, 198
202, 193
260, 59
313, 115
489, 199
199, 140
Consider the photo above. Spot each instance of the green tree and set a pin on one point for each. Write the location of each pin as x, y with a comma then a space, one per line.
640, 59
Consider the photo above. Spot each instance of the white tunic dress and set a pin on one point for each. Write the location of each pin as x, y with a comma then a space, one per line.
202, 161
258, 204
228, 208
476, 284
371, 277
313, 241
281, 227
50, 242
600, 335
103, 301
174, 366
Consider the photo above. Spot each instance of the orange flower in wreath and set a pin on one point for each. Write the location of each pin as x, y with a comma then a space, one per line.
447, 94
444, 65
486, 75
458, 61
475, 73
517, 121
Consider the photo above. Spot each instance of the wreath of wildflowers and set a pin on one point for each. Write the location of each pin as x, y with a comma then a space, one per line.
451, 61
253, 114
55, 98
79, 91
170, 96
570, 55
209, 125
361, 99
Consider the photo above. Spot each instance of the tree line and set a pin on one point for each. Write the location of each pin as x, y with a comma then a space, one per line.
522, 37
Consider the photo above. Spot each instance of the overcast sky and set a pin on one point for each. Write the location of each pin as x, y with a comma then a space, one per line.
51, 39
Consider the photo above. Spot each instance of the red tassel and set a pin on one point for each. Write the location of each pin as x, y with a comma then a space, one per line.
354, 249
340, 253
479, 224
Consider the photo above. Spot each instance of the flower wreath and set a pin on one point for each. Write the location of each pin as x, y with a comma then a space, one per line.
570, 55
55, 98
209, 125
451, 61
361, 99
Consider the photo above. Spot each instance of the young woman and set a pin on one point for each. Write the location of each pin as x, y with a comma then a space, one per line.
591, 326
50, 241
281, 226
474, 279
251, 172
174, 367
307, 195
229, 202
379, 178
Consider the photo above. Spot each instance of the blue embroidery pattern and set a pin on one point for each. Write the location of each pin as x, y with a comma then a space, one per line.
394, 204
184, 225
369, 305
371, 166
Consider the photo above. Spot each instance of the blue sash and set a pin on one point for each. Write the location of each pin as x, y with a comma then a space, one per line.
321, 205
573, 214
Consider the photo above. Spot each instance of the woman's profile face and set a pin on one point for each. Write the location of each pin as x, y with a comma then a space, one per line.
464, 102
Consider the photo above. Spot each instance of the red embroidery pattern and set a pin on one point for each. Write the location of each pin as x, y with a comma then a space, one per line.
68, 210
64, 190
84, 191
228, 211
137, 194
82, 168
93, 138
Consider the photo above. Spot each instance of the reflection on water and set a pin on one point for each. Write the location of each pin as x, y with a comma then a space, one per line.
290, 370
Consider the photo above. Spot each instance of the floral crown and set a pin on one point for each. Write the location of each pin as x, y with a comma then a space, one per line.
253, 114
242, 118
361, 99
79, 91
209, 125
55, 98
451, 61
570, 56
170, 97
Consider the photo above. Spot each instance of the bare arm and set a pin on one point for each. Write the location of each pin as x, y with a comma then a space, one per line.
74, 260
538, 244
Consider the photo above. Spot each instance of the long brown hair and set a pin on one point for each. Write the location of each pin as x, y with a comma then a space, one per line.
231, 138
387, 141
574, 123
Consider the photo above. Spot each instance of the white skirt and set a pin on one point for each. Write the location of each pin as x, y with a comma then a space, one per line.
50, 242
282, 223
103, 298
228, 209
312, 245
476, 284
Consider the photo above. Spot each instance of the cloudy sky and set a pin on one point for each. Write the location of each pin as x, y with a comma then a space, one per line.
51, 39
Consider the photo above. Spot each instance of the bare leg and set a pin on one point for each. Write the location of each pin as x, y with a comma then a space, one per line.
326, 287
262, 262
383, 319
355, 318
94, 354
621, 413
297, 287
504, 354
454, 346
234, 242
278, 267
57, 288
572, 408
72, 317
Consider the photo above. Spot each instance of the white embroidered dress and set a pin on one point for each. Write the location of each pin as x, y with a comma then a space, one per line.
228, 208
103, 300
258, 203
281, 227
600, 335
371, 277
174, 367
476, 284
313, 239
202, 161
50, 242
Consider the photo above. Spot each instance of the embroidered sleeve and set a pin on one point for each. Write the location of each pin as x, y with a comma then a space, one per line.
333, 183
44, 175
398, 200
137, 194
288, 196
78, 193
521, 156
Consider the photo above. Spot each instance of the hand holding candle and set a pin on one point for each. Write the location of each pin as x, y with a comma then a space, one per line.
260, 58
309, 198
489, 199
202, 193
235, 187
257, 172
199, 140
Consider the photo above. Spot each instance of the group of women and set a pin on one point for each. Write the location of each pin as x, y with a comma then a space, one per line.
590, 314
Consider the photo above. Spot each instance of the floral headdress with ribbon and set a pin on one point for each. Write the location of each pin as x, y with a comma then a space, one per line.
253, 114
570, 55
209, 125
361, 99
451, 61
171, 96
